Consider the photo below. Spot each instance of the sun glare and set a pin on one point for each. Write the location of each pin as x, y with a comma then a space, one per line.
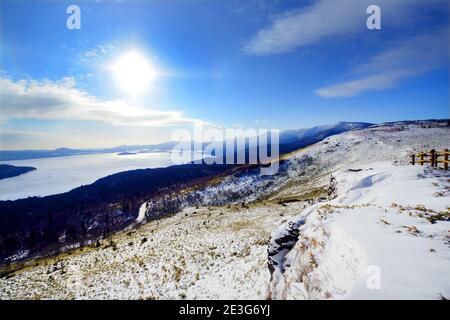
133, 73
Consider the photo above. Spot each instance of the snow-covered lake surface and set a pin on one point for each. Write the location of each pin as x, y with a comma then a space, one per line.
61, 174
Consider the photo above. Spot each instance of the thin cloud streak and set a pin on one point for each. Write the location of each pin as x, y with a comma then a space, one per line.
413, 57
326, 19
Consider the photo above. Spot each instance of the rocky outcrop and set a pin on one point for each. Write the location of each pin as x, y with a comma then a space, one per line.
280, 244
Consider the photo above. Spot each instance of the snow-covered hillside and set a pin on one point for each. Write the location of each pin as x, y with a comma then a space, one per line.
380, 230
379, 224
376, 240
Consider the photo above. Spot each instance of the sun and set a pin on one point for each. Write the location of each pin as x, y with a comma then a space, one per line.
133, 73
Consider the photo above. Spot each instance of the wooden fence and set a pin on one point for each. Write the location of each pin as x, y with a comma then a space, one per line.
433, 158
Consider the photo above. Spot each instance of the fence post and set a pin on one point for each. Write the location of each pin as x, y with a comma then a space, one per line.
413, 159
446, 159
421, 159
433, 158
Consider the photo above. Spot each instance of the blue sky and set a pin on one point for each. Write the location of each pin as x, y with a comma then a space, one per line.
250, 64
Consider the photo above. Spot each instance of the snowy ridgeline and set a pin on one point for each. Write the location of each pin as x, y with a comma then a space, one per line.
383, 233
314, 165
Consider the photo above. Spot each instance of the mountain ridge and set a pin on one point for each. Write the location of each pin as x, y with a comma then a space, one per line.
286, 137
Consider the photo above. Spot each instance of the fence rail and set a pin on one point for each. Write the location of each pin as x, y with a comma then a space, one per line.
433, 158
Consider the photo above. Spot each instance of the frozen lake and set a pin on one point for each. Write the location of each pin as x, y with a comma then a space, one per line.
61, 174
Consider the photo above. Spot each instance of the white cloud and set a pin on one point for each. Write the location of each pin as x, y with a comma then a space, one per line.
62, 100
412, 57
326, 19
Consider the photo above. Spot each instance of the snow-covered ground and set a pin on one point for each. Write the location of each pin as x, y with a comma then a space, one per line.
375, 240
197, 253
61, 174
380, 234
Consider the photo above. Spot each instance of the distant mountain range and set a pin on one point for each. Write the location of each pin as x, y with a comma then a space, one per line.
290, 140
6, 155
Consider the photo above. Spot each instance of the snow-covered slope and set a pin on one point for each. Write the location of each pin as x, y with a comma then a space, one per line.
380, 231
379, 223
375, 240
